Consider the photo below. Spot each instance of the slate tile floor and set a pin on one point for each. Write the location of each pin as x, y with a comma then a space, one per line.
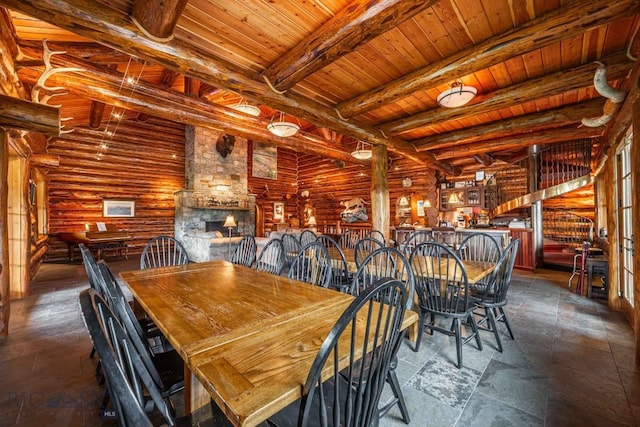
572, 363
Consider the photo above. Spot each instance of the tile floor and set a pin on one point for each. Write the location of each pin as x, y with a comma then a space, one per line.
572, 363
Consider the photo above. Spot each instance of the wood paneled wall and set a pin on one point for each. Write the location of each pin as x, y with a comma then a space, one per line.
329, 184
144, 163
284, 189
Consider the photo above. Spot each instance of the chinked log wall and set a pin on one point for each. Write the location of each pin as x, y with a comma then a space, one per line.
328, 185
144, 163
283, 189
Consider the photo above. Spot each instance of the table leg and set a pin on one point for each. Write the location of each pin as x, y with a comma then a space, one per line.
195, 395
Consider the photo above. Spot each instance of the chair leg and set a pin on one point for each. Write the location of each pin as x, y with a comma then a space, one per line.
458, 334
504, 318
433, 322
474, 328
493, 326
420, 331
392, 379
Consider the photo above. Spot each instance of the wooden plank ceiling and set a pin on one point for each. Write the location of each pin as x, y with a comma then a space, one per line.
346, 70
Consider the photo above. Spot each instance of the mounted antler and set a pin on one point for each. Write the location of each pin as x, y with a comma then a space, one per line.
49, 70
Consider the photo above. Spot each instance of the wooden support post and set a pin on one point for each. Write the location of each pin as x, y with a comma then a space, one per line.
614, 300
4, 236
380, 190
95, 114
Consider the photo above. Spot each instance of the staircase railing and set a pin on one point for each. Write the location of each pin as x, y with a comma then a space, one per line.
560, 163
557, 164
566, 227
512, 182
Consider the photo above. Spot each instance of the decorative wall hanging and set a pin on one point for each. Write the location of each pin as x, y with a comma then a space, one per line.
265, 161
118, 208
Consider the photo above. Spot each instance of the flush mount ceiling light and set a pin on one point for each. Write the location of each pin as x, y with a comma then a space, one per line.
243, 107
457, 96
361, 153
282, 128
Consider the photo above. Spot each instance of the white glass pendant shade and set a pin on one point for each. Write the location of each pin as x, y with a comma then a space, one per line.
283, 128
361, 153
457, 96
243, 107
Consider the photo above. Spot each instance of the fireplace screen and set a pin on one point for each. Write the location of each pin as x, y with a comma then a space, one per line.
211, 226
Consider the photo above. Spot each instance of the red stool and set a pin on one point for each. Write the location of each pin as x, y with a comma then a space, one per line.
581, 271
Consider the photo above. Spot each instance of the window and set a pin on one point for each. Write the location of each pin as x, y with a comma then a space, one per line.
625, 218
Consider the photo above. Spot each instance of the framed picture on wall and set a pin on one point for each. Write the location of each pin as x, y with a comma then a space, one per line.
278, 212
118, 208
265, 161
420, 207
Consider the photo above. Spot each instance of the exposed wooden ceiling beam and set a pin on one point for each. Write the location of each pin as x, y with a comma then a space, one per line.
111, 28
541, 138
553, 84
9, 83
355, 24
20, 114
483, 159
172, 105
558, 117
95, 114
167, 79
158, 18
567, 21
206, 90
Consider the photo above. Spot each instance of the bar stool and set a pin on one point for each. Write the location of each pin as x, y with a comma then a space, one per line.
579, 270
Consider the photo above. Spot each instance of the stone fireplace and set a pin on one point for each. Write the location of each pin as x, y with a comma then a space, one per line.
216, 187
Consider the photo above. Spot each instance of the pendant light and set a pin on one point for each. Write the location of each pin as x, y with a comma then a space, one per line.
361, 153
243, 107
283, 128
456, 96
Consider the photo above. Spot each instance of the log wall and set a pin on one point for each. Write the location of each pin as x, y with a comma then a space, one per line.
329, 184
144, 163
284, 189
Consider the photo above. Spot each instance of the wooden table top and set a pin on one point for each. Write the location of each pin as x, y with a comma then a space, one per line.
248, 336
350, 257
255, 376
476, 270
195, 304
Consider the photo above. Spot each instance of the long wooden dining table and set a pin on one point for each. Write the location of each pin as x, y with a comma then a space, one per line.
248, 337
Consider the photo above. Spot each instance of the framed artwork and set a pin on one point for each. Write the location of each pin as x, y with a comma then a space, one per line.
118, 208
420, 207
265, 161
278, 212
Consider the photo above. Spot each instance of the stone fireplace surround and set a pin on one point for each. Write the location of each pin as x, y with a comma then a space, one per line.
210, 176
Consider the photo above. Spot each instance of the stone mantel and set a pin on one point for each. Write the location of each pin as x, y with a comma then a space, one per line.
216, 186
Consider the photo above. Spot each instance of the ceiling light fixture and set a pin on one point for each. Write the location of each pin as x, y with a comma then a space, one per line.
243, 107
456, 96
282, 128
361, 153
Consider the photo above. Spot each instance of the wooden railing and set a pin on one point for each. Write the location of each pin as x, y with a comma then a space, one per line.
566, 227
560, 163
561, 168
